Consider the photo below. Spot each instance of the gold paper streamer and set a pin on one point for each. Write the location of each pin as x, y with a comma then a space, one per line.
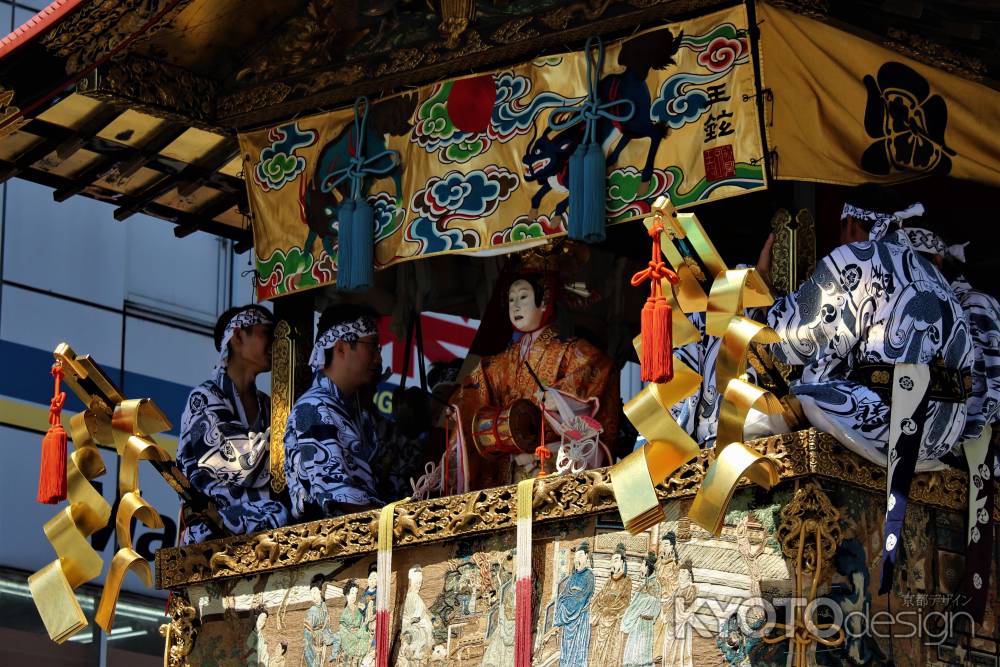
109, 419
133, 422
669, 446
731, 293
731, 363
737, 401
734, 462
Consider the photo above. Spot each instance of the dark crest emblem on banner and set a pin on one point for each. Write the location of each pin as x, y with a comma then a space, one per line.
907, 123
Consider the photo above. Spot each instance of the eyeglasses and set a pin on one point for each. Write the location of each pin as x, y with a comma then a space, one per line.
376, 345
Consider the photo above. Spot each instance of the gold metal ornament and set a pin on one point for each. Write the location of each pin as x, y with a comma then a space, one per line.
282, 398
793, 256
809, 534
179, 634
11, 118
110, 420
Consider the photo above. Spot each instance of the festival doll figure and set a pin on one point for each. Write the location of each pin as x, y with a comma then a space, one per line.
498, 403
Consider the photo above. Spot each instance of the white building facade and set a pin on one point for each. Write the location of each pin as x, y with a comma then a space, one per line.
143, 304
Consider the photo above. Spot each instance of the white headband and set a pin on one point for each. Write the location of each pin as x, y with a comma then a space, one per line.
881, 222
350, 332
242, 320
924, 240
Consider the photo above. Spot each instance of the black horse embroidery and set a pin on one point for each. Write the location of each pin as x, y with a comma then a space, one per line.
547, 159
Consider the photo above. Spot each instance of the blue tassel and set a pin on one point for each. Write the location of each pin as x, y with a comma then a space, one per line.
356, 254
594, 195
587, 166
346, 225
362, 252
576, 185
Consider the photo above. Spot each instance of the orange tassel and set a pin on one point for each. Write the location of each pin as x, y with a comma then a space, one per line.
657, 362
52, 476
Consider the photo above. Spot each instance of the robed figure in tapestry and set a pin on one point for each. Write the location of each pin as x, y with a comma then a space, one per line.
354, 638
500, 643
499, 403
318, 635
573, 609
607, 610
639, 618
416, 628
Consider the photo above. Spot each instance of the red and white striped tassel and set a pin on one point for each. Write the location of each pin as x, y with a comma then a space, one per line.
383, 579
522, 615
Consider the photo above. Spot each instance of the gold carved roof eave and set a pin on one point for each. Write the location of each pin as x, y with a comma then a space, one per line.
808, 454
338, 84
157, 89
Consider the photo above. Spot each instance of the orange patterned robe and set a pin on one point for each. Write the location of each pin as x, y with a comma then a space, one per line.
571, 365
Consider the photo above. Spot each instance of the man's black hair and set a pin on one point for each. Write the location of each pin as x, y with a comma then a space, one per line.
338, 314
952, 269
227, 317
875, 198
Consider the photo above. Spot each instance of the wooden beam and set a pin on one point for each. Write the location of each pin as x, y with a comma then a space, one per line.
55, 138
189, 223
191, 174
125, 165
64, 139
209, 226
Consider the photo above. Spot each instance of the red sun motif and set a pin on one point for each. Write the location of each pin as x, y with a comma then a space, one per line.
470, 103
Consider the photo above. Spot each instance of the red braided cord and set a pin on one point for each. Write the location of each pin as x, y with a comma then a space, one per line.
58, 397
542, 452
657, 269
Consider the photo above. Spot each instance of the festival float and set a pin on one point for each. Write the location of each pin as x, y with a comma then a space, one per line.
610, 160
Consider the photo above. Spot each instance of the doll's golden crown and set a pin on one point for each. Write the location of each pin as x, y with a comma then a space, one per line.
559, 256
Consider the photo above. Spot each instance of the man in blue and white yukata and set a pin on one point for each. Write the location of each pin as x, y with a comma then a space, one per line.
885, 350
979, 446
224, 445
331, 448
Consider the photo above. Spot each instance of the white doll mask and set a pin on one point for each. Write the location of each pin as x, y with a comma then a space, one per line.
525, 314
